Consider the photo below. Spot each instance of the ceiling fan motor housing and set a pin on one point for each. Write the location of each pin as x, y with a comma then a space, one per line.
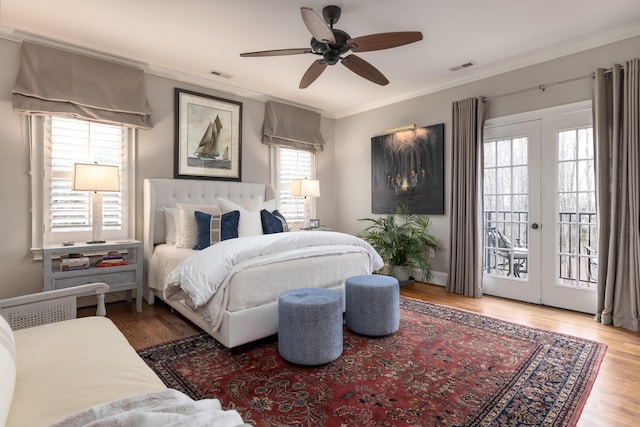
331, 52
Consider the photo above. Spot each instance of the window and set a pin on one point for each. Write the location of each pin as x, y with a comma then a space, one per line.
62, 214
292, 164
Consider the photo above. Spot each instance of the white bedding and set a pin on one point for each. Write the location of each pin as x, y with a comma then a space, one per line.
167, 408
202, 279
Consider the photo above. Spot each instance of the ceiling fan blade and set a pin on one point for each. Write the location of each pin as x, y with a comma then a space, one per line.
312, 73
277, 52
383, 40
364, 69
316, 26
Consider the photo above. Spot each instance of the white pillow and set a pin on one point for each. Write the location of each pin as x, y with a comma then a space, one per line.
250, 223
7, 369
186, 224
170, 220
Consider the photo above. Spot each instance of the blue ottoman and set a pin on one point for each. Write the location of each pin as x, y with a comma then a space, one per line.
310, 326
372, 304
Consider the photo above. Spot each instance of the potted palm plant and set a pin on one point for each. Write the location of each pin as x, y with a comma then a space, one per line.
403, 241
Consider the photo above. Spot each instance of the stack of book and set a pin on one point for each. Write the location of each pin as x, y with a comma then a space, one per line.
112, 259
74, 263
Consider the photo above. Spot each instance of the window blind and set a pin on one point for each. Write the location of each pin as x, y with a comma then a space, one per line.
59, 82
292, 127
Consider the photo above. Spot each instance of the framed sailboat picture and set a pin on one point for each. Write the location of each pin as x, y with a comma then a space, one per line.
208, 139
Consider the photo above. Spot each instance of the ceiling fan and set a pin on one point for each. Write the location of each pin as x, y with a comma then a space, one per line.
332, 44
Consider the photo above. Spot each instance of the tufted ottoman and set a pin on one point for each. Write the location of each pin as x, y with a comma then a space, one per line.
310, 326
372, 304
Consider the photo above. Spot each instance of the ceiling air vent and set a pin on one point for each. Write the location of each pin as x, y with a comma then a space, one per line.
465, 65
220, 74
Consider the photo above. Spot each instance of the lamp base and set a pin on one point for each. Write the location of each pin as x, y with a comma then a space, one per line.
96, 220
307, 212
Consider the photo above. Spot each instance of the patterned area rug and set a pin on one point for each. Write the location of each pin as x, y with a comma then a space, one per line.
444, 367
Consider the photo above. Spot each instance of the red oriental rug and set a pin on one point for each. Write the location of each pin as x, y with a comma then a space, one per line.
444, 367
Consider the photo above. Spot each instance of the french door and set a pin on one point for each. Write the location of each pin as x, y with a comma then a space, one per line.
512, 211
540, 211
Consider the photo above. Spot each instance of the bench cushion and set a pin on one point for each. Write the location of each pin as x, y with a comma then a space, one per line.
66, 367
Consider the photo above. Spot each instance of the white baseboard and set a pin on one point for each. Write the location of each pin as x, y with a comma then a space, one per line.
439, 278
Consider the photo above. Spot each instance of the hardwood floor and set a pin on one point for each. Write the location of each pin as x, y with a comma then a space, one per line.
614, 399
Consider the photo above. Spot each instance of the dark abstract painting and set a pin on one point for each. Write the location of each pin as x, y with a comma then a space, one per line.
408, 166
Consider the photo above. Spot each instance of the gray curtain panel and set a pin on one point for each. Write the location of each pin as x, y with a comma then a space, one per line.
465, 241
616, 119
54, 81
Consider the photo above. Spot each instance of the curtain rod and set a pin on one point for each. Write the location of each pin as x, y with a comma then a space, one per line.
541, 87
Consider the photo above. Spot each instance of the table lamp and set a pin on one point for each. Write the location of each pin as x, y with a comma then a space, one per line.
96, 178
307, 188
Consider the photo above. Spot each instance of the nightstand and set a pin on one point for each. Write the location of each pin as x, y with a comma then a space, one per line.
119, 277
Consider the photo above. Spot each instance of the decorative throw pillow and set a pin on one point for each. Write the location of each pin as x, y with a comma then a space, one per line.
7, 368
285, 226
170, 218
203, 230
270, 222
186, 222
250, 223
229, 224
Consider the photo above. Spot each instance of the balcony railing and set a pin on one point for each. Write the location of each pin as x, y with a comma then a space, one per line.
507, 242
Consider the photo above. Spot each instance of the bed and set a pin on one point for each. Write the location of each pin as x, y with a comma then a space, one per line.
235, 299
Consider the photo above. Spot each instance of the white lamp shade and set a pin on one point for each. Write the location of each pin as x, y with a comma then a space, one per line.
305, 187
95, 177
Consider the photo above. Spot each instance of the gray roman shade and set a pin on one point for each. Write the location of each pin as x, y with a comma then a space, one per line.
292, 127
53, 81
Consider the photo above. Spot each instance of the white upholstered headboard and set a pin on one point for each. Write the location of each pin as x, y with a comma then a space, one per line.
159, 193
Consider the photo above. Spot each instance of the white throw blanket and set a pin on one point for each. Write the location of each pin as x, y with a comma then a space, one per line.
163, 408
206, 274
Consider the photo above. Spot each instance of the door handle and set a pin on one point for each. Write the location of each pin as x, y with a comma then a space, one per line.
535, 226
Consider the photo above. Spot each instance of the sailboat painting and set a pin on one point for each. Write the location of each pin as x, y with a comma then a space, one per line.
208, 136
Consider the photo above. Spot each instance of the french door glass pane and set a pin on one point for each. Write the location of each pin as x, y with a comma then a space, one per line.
506, 203
577, 230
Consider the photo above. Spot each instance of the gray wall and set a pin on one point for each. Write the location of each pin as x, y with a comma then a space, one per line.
344, 168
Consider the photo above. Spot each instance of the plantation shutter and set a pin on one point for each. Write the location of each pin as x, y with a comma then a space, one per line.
293, 164
77, 141
292, 127
59, 82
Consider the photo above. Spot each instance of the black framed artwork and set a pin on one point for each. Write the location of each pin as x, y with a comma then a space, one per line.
208, 137
408, 166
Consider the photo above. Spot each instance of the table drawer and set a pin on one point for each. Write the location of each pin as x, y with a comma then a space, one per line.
116, 278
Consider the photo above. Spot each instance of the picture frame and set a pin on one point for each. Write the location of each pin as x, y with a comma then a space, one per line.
208, 137
314, 223
408, 166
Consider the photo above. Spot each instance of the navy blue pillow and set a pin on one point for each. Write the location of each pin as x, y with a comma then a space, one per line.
229, 225
285, 226
270, 222
203, 230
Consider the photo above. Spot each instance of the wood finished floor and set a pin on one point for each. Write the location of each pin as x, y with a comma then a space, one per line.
614, 399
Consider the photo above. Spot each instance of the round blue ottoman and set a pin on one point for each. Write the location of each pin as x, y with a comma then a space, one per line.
372, 304
310, 326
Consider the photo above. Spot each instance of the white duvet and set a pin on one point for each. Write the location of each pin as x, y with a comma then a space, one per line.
203, 278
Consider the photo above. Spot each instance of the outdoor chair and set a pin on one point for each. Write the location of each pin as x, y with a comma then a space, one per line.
514, 258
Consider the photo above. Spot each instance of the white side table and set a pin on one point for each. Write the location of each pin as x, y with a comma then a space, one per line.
120, 277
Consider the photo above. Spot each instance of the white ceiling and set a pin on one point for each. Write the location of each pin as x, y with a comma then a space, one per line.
187, 39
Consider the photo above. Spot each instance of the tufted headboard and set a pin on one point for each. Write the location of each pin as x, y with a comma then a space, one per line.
159, 193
